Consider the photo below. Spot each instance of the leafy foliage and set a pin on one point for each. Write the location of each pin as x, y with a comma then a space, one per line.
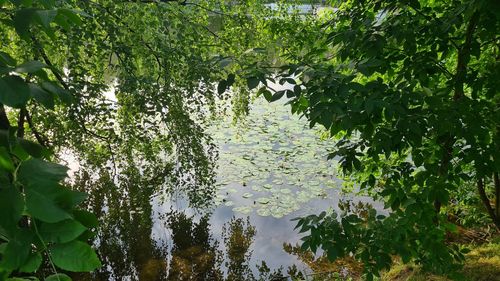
37, 213
118, 85
409, 89
38, 217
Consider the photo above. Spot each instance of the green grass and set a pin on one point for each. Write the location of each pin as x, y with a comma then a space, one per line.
481, 264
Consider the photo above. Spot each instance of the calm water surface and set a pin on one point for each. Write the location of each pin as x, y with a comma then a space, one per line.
272, 168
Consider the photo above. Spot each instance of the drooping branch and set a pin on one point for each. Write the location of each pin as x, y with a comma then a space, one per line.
153, 52
43, 54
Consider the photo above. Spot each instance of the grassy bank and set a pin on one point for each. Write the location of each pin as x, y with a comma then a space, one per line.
482, 264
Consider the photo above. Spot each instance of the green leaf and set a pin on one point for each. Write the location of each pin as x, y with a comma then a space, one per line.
371, 180
61, 232
11, 208
14, 91
42, 96
230, 79
6, 160
41, 173
276, 96
30, 67
332, 253
225, 62
417, 159
68, 198
61, 93
43, 207
22, 21
88, 219
33, 149
17, 251
45, 17
252, 82
266, 93
71, 15
221, 88
58, 277
62, 21
47, 4
7, 59
75, 256
32, 264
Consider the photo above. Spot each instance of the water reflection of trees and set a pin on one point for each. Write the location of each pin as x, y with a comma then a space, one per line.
124, 238
128, 251
194, 254
238, 236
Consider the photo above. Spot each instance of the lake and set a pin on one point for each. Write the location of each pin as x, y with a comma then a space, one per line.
271, 168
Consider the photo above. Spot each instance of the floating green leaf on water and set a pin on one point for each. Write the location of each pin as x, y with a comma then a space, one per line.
247, 195
278, 182
263, 201
263, 212
243, 209
274, 155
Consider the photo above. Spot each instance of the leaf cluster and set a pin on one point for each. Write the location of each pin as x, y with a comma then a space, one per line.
410, 90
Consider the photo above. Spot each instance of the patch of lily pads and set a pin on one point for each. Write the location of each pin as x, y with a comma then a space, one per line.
271, 162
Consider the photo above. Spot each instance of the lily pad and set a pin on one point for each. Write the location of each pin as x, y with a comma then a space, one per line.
272, 152
243, 209
263, 201
247, 195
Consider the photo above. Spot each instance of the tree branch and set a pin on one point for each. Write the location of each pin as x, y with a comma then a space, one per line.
20, 123
430, 18
41, 140
4, 121
496, 181
59, 78
464, 56
486, 202
461, 71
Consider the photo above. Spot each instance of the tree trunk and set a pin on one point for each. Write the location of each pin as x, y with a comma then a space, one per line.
496, 180
460, 75
20, 123
486, 203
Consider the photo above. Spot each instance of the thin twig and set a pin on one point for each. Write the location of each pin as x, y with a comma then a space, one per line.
41, 140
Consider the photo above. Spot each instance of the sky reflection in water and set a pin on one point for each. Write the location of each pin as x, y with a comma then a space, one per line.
271, 164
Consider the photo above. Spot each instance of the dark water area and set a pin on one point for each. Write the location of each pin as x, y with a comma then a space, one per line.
169, 244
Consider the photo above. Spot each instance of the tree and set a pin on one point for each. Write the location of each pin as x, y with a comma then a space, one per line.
410, 89
120, 85
38, 216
